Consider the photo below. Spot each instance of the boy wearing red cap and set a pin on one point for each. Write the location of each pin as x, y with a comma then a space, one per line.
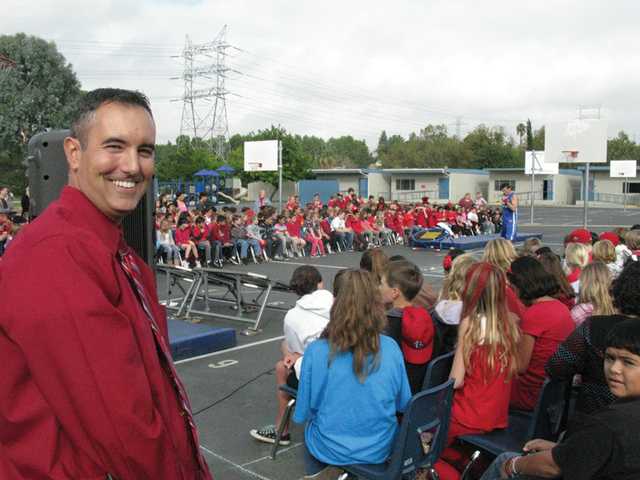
411, 326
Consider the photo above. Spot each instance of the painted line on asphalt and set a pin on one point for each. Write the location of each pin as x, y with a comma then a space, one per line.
266, 457
251, 473
228, 350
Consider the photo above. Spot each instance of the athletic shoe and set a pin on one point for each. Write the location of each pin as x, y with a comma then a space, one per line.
268, 435
328, 473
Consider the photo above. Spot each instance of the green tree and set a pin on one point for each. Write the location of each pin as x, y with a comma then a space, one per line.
349, 152
40, 92
622, 148
296, 163
521, 130
529, 136
492, 148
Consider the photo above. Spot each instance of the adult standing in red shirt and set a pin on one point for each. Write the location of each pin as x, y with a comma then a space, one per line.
545, 324
89, 389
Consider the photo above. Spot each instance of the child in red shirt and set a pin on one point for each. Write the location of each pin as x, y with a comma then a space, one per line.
486, 355
295, 233
184, 242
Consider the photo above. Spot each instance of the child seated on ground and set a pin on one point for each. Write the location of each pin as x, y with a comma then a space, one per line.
411, 326
302, 325
600, 446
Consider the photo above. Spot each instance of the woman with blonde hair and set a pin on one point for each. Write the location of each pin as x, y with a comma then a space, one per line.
486, 355
576, 257
594, 297
352, 375
500, 252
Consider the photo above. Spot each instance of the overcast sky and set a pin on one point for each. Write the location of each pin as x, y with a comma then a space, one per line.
332, 68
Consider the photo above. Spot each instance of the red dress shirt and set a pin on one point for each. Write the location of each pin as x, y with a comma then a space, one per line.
83, 391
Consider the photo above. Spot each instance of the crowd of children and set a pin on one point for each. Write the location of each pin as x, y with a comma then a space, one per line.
513, 318
205, 236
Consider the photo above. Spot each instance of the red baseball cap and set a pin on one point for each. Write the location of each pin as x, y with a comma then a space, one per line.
417, 335
612, 237
579, 235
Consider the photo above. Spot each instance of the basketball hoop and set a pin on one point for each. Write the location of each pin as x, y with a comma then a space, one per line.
570, 156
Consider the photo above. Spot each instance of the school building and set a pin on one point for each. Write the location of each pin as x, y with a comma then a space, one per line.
560, 189
402, 184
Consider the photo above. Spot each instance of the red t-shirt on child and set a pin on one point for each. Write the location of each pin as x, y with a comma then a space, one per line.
482, 403
549, 322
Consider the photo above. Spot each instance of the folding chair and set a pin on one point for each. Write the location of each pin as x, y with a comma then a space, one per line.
438, 371
420, 440
548, 420
293, 393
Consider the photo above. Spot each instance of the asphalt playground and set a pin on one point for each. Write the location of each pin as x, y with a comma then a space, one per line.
233, 390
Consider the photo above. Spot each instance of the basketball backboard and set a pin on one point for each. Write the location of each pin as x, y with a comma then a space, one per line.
261, 156
576, 141
623, 168
540, 166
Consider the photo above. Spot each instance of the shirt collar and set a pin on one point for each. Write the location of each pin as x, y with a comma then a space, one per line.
85, 214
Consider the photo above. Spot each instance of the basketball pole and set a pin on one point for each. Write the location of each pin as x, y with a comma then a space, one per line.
586, 195
533, 182
280, 175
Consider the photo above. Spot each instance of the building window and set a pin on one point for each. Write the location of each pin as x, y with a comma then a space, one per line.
408, 184
498, 183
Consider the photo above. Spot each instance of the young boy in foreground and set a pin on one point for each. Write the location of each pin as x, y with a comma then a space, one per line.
601, 446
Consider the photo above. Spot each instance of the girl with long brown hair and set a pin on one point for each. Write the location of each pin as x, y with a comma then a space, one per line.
353, 381
485, 358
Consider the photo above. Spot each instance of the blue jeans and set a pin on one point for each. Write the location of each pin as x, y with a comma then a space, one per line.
244, 243
493, 472
311, 464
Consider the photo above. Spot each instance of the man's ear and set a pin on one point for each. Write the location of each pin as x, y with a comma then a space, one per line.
73, 152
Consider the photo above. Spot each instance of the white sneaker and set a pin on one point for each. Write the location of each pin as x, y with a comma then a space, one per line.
185, 264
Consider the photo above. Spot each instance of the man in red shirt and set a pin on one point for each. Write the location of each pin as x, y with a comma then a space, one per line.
88, 385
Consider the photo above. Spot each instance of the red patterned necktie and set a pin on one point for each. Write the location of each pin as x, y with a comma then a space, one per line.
133, 273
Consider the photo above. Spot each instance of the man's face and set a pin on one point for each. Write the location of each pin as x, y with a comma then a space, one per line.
115, 166
4, 192
622, 371
506, 190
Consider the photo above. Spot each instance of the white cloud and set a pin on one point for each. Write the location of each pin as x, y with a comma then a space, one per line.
335, 67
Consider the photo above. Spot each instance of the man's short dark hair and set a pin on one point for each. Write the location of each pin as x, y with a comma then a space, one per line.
203, 195
91, 101
305, 280
531, 279
506, 185
406, 277
625, 336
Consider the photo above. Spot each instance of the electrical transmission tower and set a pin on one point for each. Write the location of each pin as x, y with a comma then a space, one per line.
204, 102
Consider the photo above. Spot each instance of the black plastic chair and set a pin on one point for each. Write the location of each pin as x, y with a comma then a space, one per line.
438, 371
420, 440
293, 393
548, 420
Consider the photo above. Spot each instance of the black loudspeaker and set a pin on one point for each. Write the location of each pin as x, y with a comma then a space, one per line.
47, 170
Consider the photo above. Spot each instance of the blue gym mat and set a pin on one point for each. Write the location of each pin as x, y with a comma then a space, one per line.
464, 243
189, 340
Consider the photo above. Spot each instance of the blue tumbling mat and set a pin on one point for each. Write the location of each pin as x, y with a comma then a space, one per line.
190, 340
446, 242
